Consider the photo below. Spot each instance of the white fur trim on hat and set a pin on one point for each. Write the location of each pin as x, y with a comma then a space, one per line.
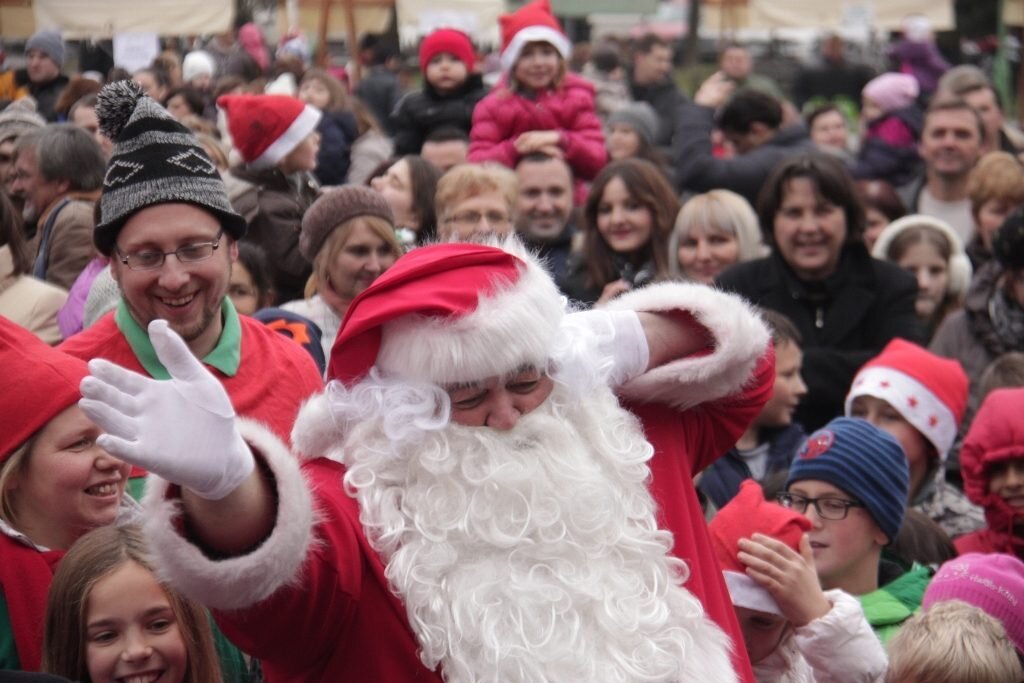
745, 592
534, 34
515, 327
739, 336
914, 401
236, 582
304, 124
960, 270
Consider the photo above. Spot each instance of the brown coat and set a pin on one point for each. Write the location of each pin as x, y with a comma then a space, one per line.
29, 302
274, 208
70, 248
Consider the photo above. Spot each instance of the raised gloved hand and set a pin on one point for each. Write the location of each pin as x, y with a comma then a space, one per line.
616, 335
182, 429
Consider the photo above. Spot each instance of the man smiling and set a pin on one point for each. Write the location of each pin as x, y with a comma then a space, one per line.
171, 236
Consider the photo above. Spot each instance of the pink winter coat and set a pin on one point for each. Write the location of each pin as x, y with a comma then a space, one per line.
503, 115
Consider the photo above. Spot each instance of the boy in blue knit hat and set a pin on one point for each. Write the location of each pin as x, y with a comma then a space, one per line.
851, 480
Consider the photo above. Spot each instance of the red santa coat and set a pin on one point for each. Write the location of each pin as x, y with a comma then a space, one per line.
312, 601
274, 377
504, 115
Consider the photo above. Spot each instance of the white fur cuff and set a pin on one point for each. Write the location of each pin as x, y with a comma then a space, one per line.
236, 582
739, 337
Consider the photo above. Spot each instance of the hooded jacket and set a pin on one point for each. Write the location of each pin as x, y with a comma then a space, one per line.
996, 435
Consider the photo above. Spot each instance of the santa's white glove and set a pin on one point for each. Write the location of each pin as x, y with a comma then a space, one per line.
182, 429
618, 335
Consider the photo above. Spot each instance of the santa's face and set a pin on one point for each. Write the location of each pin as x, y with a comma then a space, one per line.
505, 576
499, 402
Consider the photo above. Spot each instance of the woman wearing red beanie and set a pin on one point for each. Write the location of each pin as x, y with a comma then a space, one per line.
55, 484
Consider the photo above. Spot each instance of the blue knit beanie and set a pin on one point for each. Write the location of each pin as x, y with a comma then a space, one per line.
862, 460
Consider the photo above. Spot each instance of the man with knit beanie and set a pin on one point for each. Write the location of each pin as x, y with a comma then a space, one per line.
276, 137
474, 502
851, 480
17, 119
919, 398
171, 235
792, 629
451, 89
44, 59
651, 82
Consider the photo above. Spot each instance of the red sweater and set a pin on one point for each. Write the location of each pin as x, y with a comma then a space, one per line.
274, 377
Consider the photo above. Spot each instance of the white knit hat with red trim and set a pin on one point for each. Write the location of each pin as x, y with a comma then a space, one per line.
266, 128
929, 391
531, 23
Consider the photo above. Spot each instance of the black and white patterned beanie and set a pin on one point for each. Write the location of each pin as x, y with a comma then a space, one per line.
156, 160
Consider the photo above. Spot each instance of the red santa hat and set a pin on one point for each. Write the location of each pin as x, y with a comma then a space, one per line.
450, 313
748, 513
929, 391
265, 128
450, 40
41, 382
531, 23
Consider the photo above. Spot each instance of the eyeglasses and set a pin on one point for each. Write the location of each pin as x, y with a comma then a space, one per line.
828, 508
473, 218
187, 253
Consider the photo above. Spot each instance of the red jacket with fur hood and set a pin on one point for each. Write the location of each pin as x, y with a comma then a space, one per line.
505, 114
997, 434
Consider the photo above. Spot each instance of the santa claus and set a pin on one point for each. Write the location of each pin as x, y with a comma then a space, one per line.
473, 502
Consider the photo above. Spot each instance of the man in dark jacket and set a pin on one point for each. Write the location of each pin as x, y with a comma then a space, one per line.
751, 120
832, 78
544, 210
651, 81
44, 58
378, 89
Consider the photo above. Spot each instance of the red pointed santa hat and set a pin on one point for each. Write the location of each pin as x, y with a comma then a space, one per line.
41, 382
748, 513
450, 313
531, 23
929, 391
265, 128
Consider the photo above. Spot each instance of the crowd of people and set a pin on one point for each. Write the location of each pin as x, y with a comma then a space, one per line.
539, 370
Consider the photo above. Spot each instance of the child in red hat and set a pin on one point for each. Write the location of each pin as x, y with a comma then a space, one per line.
451, 90
793, 631
539, 106
919, 398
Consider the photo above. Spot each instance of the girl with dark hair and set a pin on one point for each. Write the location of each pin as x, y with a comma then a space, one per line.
628, 217
408, 184
846, 305
882, 205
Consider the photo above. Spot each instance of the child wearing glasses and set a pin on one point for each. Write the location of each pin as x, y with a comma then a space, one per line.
793, 631
851, 479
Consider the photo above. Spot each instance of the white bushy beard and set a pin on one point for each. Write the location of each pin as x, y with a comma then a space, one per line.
532, 554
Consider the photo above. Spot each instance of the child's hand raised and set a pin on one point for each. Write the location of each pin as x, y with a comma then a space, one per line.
788, 576
537, 140
714, 91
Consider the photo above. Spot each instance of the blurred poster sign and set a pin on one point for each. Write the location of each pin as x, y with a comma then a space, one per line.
106, 18
134, 51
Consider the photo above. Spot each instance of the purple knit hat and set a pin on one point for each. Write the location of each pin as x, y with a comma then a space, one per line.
992, 582
892, 91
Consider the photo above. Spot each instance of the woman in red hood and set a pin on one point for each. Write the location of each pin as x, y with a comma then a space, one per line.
992, 462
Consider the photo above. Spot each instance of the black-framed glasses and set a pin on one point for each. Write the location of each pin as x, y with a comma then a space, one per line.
187, 253
827, 507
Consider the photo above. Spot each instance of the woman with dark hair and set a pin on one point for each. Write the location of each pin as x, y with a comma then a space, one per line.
882, 205
29, 302
408, 184
846, 305
628, 218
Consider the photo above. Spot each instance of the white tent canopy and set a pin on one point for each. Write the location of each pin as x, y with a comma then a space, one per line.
95, 19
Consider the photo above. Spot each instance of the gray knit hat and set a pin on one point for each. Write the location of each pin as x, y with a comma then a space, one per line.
19, 118
49, 43
156, 160
333, 208
641, 116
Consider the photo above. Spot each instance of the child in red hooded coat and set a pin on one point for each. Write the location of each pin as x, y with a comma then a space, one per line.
992, 462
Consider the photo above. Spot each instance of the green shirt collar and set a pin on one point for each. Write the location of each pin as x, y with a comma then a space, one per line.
226, 356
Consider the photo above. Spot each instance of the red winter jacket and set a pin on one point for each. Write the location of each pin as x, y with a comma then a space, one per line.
996, 434
504, 115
